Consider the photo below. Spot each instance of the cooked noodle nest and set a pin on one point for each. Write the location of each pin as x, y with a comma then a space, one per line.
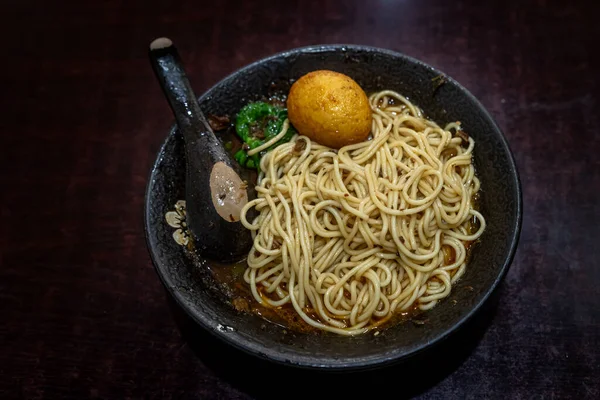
351, 237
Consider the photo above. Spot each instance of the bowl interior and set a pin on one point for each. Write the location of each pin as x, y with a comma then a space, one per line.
374, 69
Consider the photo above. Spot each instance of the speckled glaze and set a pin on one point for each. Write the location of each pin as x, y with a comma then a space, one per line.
374, 69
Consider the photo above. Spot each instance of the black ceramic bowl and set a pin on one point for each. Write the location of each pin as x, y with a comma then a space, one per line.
374, 69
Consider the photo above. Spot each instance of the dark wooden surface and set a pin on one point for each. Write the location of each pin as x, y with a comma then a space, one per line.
82, 313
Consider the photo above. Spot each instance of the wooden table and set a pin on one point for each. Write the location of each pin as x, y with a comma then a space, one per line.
81, 309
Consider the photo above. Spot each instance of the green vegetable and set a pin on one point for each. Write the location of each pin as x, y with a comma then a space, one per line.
256, 124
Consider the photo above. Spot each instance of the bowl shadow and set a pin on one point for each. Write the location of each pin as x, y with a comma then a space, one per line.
416, 374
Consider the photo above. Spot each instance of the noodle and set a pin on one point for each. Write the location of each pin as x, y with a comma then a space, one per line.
350, 237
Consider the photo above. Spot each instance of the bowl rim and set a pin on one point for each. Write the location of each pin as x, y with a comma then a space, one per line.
243, 343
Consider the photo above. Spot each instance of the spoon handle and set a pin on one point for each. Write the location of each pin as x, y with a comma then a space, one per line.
215, 193
173, 80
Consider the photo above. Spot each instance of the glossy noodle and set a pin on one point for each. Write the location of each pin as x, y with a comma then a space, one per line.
351, 237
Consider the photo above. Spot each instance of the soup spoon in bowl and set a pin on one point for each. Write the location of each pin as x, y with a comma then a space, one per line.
214, 192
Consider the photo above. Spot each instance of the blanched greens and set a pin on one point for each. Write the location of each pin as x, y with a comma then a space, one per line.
256, 124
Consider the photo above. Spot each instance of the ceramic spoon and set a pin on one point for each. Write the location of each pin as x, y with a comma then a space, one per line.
215, 193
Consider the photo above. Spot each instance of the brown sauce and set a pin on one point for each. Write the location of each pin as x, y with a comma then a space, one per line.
232, 276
